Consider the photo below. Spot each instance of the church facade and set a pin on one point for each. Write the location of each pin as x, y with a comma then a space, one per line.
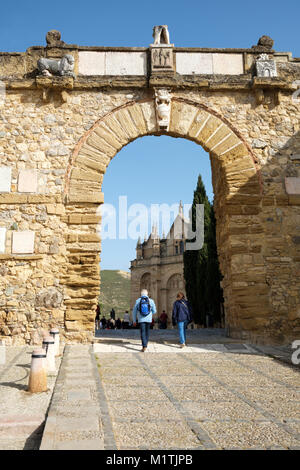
158, 267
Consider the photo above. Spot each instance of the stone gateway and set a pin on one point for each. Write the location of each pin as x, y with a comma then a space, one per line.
58, 134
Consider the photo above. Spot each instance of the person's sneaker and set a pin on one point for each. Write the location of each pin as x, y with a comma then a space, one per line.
144, 350
182, 345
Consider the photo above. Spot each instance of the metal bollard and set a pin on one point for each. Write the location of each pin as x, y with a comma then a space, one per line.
55, 333
38, 372
48, 345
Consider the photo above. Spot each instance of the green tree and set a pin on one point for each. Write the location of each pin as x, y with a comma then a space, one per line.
201, 267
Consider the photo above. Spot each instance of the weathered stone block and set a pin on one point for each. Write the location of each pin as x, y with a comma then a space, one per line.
182, 116
13, 198
126, 63
116, 128
210, 127
198, 122
292, 185
23, 242
198, 63
228, 64
137, 116
88, 237
27, 182
149, 115
73, 326
127, 123
79, 174
5, 179
108, 136
91, 63
89, 163
86, 197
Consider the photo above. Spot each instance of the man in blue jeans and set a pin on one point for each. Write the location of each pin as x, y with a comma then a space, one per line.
143, 310
182, 315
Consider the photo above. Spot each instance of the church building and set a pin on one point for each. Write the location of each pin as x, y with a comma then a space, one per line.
158, 267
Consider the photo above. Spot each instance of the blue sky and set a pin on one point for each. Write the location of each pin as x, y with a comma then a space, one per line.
151, 170
171, 166
194, 23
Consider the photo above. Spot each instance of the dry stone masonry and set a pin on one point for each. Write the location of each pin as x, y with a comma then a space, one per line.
66, 111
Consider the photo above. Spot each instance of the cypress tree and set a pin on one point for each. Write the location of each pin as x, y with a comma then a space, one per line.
201, 267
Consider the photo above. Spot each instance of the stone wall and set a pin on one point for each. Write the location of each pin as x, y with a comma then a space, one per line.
57, 136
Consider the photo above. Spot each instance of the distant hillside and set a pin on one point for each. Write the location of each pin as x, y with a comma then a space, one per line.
115, 292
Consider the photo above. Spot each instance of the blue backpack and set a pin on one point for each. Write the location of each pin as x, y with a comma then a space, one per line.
144, 307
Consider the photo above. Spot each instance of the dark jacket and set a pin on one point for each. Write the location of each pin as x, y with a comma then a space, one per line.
182, 311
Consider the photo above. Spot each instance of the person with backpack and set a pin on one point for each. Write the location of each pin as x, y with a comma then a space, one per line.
143, 310
182, 315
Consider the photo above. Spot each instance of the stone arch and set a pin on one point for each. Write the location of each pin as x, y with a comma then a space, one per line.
237, 188
145, 282
189, 119
175, 282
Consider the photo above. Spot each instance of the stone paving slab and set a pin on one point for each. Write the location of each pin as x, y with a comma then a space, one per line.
75, 419
22, 414
201, 400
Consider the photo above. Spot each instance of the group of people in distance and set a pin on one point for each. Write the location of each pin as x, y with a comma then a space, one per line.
143, 315
111, 323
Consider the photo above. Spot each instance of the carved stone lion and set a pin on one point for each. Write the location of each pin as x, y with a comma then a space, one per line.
61, 67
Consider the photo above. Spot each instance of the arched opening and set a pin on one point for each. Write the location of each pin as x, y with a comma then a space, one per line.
237, 188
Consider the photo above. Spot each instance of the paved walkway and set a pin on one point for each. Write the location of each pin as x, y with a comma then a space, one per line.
214, 394
22, 414
201, 400
75, 420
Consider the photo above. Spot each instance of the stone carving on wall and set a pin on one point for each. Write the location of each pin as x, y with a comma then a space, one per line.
161, 34
49, 298
161, 58
265, 67
60, 67
163, 107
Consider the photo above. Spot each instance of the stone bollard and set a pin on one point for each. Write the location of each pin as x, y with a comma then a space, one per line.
38, 372
54, 332
49, 346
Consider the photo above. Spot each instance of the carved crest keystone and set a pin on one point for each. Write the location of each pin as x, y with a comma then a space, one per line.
265, 67
163, 107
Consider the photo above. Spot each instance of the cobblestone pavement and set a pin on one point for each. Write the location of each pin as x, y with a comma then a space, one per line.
22, 414
205, 397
